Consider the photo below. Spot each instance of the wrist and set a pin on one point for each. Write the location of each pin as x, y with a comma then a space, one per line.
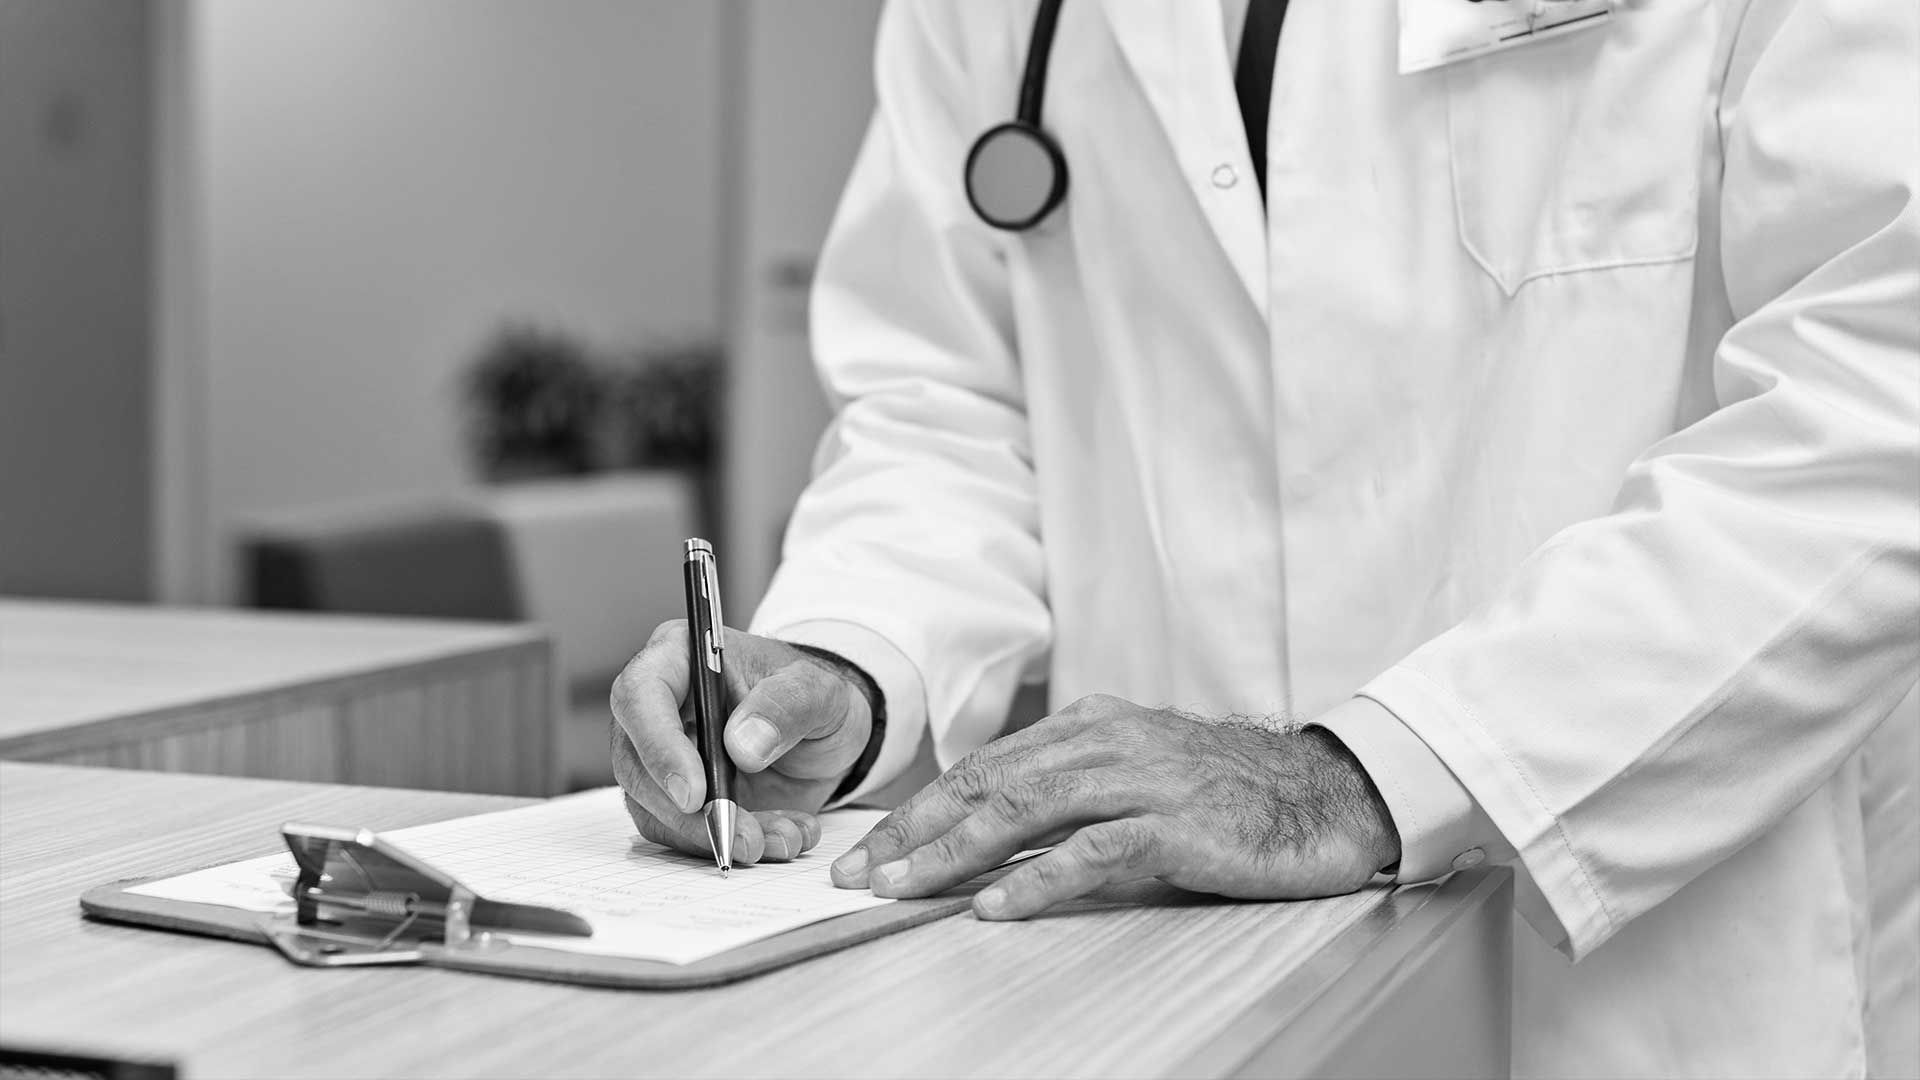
1358, 810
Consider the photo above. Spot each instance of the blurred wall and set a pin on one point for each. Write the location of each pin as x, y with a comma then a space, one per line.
245, 248
75, 282
382, 184
801, 109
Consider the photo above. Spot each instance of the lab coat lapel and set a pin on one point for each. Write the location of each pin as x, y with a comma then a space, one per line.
1177, 50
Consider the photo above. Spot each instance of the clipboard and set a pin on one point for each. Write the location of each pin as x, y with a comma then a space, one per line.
362, 902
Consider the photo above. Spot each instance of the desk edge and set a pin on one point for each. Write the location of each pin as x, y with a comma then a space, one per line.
1359, 961
110, 730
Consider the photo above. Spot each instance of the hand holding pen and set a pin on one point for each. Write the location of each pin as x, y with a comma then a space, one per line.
795, 723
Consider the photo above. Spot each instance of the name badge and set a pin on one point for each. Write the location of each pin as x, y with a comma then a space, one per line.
1434, 33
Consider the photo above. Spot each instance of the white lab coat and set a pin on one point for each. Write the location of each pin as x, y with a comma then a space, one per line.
1566, 401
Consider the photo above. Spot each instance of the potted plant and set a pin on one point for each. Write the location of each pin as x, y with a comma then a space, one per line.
663, 400
663, 405
534, 404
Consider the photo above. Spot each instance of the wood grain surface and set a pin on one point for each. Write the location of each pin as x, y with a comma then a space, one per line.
404, 702
1116, 987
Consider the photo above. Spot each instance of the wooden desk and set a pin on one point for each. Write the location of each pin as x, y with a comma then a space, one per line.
1418, 986
402, 702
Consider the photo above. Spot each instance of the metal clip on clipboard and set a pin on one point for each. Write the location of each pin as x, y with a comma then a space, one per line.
361, 900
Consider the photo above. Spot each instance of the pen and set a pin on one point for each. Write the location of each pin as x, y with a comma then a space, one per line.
705, 635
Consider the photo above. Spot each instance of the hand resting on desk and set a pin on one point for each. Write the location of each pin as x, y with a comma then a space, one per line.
796, 728
1238, 808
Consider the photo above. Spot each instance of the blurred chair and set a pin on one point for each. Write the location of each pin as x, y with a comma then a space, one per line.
596, 560
444, 560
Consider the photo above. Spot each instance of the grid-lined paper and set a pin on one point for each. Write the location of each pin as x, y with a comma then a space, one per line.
580, 853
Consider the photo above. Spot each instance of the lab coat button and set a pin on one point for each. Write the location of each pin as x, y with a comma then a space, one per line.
1469, 859
1225, 177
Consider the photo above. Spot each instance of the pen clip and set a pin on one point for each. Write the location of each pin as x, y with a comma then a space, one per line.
715, 631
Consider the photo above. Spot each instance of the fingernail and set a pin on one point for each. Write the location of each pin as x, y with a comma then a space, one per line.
992, 901
775, 847
852, 864
891, 875
758, 738
677, 790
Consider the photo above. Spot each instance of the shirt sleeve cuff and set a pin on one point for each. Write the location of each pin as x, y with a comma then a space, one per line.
1442, 828
899, 681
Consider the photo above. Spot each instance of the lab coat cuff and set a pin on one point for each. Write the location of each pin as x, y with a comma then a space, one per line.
1441, 828
896, 676
1573, 917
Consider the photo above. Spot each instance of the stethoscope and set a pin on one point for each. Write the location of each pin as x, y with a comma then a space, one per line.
1016, 173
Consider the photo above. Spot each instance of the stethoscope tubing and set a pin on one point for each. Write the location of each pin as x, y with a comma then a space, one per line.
1033, 81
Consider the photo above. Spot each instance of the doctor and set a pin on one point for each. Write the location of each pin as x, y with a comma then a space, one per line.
1541, 426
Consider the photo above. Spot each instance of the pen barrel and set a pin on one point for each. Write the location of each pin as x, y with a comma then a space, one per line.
707, 688
711, 736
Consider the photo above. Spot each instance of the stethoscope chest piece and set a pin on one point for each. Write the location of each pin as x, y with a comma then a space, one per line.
1016, 175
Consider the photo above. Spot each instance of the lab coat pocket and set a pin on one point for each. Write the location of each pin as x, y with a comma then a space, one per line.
1583, 152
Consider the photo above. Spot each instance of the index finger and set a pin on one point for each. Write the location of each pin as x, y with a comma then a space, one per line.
1041, 749
646, 704
1013, 819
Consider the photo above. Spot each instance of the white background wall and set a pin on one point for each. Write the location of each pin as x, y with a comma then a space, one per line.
805, 99
381, 184
246, 247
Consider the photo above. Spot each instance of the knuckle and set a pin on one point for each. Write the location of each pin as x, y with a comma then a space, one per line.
1010, 804
1055, 789
1119, 844
973, 783
897, 830
791, 691
820, 683
625, 696
1057, 725
620, 696
951, 845
1125, 738
1050, 875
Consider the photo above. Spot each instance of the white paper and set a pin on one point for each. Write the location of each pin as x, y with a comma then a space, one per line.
580, 853
1434, 33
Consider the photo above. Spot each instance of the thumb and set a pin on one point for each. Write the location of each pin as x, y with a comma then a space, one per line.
801, 702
